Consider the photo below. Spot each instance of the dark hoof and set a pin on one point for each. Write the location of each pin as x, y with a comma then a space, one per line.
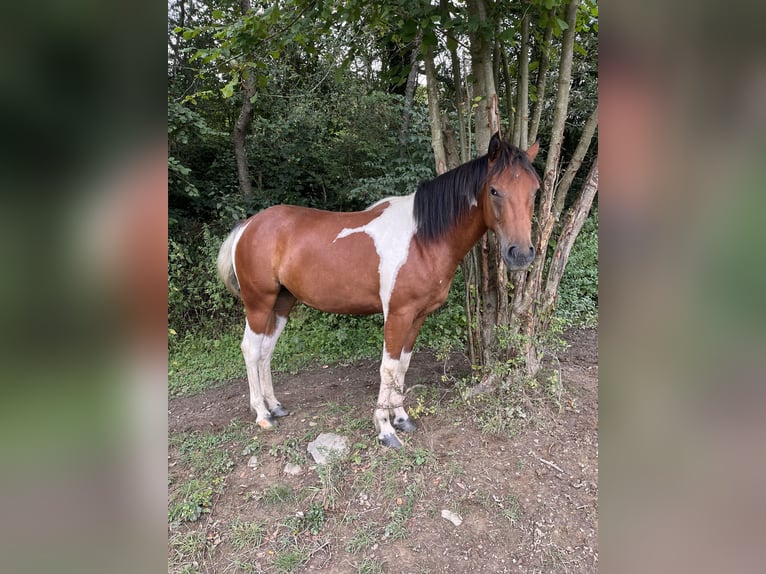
390, 441
405, 425
279, 411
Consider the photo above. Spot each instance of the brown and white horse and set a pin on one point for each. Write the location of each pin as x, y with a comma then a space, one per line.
398, 257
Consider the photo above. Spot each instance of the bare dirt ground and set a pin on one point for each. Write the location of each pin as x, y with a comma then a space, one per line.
528, 498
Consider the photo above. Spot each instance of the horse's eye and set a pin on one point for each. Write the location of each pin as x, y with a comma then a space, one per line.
493, 191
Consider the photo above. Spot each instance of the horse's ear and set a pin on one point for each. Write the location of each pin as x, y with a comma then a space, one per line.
494, 147
532, 151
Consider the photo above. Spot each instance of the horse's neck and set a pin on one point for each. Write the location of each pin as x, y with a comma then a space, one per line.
459, 241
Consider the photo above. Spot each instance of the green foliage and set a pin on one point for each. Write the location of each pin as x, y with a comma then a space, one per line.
197, 361
315, 518
578, 291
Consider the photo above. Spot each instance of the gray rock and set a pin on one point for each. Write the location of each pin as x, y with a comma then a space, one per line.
292, 469
253, 462
327, 446
455, 519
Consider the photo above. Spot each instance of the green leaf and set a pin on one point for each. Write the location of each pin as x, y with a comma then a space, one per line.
228, 89
563, 25
218, 14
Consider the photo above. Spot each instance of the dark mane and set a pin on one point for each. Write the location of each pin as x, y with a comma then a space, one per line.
442, 202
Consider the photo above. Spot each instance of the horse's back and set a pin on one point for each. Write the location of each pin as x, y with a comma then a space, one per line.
298, 248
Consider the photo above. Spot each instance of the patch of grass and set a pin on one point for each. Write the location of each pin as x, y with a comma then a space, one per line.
370, 566
246, 535
191, 500
278, 494
364, 537
289, 450
396, 529
407, 459
331, 478
291, 558
188, 546
512, 509
209, 463
197, 361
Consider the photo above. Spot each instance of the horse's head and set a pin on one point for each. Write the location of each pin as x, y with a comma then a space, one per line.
508, 200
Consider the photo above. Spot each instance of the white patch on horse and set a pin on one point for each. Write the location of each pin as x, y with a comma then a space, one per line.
234, 243
391, 232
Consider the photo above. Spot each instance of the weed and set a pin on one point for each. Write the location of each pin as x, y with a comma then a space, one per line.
191, 500
289, 560
396, 529
246, 534
278, 494
188, 545
331, 476
253, 446
315, 518
289, 450
364, 537
370, 566
512, 508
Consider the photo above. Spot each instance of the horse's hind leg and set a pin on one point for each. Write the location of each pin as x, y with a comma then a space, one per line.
252, 344
282, 308
264, 325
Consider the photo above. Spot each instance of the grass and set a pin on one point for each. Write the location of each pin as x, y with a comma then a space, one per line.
278, 494
370, 566
198, 361
188, 546
208, 463
246, 535
365, 536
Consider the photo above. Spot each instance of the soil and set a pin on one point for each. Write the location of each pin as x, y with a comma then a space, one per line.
528, 499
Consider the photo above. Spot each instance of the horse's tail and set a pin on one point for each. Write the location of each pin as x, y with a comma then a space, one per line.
225, 261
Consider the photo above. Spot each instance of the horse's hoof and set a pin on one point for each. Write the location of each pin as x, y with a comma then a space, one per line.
279, 411
405, 425
267, 423
390, 441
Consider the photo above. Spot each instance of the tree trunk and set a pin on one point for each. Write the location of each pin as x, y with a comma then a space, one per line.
486, 280
542, 73
520, 133
434, 114
574, 164
242, 126
527, 285
409, 93
569, 232
484, 82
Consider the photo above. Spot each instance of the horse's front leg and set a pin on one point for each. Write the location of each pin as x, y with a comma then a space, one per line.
399, 335
390, 397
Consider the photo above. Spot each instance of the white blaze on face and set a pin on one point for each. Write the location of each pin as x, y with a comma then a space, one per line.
391, 232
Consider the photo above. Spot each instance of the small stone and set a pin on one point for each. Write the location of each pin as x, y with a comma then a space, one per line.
455, 519
292, 469
327, 446
253, 462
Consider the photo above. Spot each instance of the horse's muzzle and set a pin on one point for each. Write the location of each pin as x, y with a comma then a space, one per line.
518, 258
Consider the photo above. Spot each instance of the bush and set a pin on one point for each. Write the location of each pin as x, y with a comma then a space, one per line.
578, 291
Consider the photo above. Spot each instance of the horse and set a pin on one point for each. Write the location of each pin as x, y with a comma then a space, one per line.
398, 257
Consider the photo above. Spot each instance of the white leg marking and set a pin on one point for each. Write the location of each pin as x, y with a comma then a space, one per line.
389, 396
391, 232
251, 349
400, 413
264, 364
